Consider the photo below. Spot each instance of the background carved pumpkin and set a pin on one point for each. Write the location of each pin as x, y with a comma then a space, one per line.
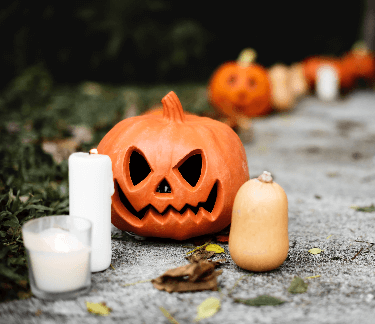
176, 175
241, 87
360, 61
312, 64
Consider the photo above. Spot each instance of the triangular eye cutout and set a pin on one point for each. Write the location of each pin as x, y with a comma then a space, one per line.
138, 168
191, 169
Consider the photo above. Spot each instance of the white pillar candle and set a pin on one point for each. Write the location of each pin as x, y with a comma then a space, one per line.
90, 189
59, 261
327, 83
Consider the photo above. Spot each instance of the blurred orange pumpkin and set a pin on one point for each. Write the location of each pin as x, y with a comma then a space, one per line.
360, 62
312, 64
240, 88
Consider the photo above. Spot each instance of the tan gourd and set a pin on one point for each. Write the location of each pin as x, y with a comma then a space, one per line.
282, 97
258, 238
297, 81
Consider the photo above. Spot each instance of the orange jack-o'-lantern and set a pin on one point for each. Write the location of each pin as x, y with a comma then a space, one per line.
176, 175
360, 62
241, 87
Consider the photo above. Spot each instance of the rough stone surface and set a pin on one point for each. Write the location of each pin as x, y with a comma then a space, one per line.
322, 154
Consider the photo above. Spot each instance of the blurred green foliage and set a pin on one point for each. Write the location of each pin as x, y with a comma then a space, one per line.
151, 41
32, 183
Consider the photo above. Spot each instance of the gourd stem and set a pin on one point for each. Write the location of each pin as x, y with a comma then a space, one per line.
265, 177
246, 57
172, 108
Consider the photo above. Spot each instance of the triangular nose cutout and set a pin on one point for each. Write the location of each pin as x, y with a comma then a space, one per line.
164, 187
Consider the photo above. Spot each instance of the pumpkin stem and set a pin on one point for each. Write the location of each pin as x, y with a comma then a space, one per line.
360, 48
172, 108
265, 177
246, 57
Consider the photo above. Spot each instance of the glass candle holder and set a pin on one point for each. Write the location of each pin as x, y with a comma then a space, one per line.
58, 254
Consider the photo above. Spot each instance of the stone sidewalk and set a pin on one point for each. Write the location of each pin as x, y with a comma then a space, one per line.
322, 154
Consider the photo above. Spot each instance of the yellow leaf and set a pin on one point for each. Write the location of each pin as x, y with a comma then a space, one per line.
313, 277
208, 308
215, 248
315, 251
98, 308
329, 236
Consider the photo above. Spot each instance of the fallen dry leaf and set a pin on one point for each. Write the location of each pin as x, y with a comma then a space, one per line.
198, 248
195, 276
98, 308
297, 286
263, 300
208, 308
200, 255
315, 251
313, 277
214, 248
366, 209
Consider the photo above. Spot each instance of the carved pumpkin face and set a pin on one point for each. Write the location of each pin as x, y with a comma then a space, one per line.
175, 175
240, 87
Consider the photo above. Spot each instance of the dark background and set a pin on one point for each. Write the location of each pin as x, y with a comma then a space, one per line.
159, 41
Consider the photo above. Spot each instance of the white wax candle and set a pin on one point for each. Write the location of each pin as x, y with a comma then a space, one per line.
90, 189
327, 83
59, 261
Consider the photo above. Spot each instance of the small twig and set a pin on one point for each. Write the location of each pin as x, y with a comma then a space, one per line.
237, 282
135, 283
198, 248
357, 253
170, 318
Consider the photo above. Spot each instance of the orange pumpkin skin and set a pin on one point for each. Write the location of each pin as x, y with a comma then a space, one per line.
312, 64
360, 63
164, 144
240, 90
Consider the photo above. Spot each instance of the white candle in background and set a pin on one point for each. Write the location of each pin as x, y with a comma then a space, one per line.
327, 83
59, 261
90, 189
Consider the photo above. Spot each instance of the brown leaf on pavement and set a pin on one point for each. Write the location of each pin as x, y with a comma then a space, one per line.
200, 255
195, 276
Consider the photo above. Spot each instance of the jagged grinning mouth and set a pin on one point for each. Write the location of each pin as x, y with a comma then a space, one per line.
208, 205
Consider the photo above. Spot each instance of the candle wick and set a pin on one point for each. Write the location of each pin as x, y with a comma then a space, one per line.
93, 151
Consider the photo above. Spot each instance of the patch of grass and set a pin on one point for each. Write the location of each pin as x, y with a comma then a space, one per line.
32, 184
